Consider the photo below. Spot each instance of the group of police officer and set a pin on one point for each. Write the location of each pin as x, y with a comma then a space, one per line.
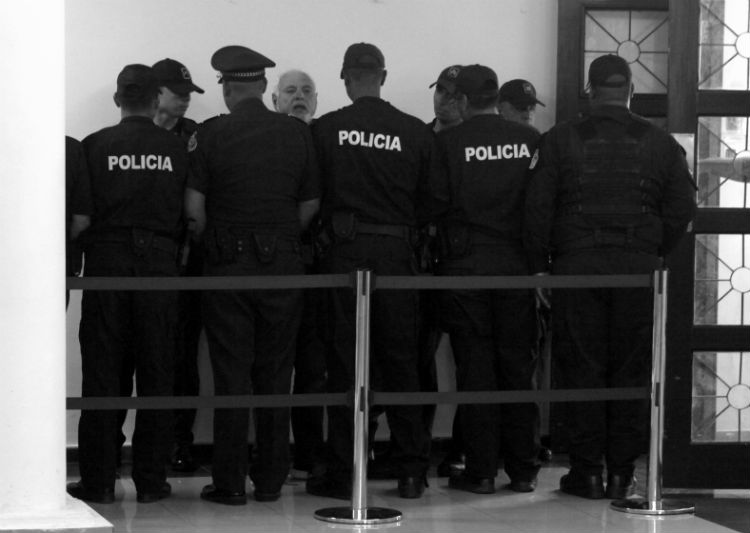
604, 193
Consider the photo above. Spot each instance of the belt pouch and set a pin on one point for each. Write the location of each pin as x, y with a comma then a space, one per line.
141, 241
344, 225
265, 247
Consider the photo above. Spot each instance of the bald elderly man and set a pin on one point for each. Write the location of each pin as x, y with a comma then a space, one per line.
295, 95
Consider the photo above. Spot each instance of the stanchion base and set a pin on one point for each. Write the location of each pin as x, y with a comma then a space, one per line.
641, 506
369, 517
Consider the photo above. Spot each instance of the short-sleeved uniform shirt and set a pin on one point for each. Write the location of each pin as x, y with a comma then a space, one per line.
254, 166
77, 181
374, 162
138, 174
487, 161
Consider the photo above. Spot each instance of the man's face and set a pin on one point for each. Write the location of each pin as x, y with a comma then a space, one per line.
173, 104
445, 106
523, 113
296, 96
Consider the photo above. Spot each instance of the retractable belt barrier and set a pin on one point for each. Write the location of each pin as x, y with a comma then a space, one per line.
363, 282
350, 281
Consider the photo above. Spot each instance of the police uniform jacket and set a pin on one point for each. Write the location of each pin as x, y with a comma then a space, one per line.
375, 163
643, 201
254, 166
138, 173
487, 161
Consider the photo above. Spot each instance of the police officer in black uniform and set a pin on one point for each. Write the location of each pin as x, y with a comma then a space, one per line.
487, 160
138, 173
175, 88
374, 161
447, 116
254, 186
78, 205
613, 195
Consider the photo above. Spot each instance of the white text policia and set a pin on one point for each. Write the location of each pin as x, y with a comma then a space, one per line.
139, 162
492, 153
380, 141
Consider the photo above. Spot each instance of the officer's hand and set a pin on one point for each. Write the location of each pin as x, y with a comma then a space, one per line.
542, 294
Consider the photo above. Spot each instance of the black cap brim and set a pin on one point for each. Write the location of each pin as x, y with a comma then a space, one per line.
183, 88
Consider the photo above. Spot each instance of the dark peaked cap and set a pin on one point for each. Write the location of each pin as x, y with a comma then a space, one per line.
238, 63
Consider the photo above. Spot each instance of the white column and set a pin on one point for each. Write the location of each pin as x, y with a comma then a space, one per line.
32, 282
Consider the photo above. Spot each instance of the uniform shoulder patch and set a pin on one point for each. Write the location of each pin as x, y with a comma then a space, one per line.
534, 160
192, 143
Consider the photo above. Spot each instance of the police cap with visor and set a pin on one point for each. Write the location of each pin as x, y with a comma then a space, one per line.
363, 56
136, 81
477, 80
447, 78
609, 71
519, 93
238, 63
175, 76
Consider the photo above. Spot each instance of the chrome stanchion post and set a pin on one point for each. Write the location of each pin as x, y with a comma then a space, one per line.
654, 504
359, 513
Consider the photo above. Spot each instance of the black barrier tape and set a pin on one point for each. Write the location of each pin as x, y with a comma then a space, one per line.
106, 403
346, 398
349, 280
187, 283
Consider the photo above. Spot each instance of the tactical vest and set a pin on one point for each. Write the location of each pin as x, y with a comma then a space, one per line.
613, 198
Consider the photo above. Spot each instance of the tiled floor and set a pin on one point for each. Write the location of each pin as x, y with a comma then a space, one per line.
441, 510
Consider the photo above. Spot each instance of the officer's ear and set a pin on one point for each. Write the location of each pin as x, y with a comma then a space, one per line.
264, 86
462, 103
116, 99
382, 79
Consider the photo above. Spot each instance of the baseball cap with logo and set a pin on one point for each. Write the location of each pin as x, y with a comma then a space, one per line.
447, 78
609, 71
136, 81
364, 56
519, 93
477, 80
174, 76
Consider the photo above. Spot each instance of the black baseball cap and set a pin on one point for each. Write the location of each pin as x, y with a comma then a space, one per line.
364, 56
239, 63
136, 81
477, 80
174, 76
609, 71
447, 78
519, 93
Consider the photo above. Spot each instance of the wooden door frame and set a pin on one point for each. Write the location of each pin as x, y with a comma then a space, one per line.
570, 96
686, 465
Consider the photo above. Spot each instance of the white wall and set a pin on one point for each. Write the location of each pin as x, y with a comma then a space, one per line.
419, 38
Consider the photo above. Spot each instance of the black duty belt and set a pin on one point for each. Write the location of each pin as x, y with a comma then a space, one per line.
245, 242
165, 244
402, 232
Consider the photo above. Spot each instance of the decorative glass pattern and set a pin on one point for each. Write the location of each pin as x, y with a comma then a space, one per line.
723, 166
640, 37
722, 280
721, 397
724, 48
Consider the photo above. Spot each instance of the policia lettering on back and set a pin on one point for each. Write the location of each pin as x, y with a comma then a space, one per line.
370, 140
139, 162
